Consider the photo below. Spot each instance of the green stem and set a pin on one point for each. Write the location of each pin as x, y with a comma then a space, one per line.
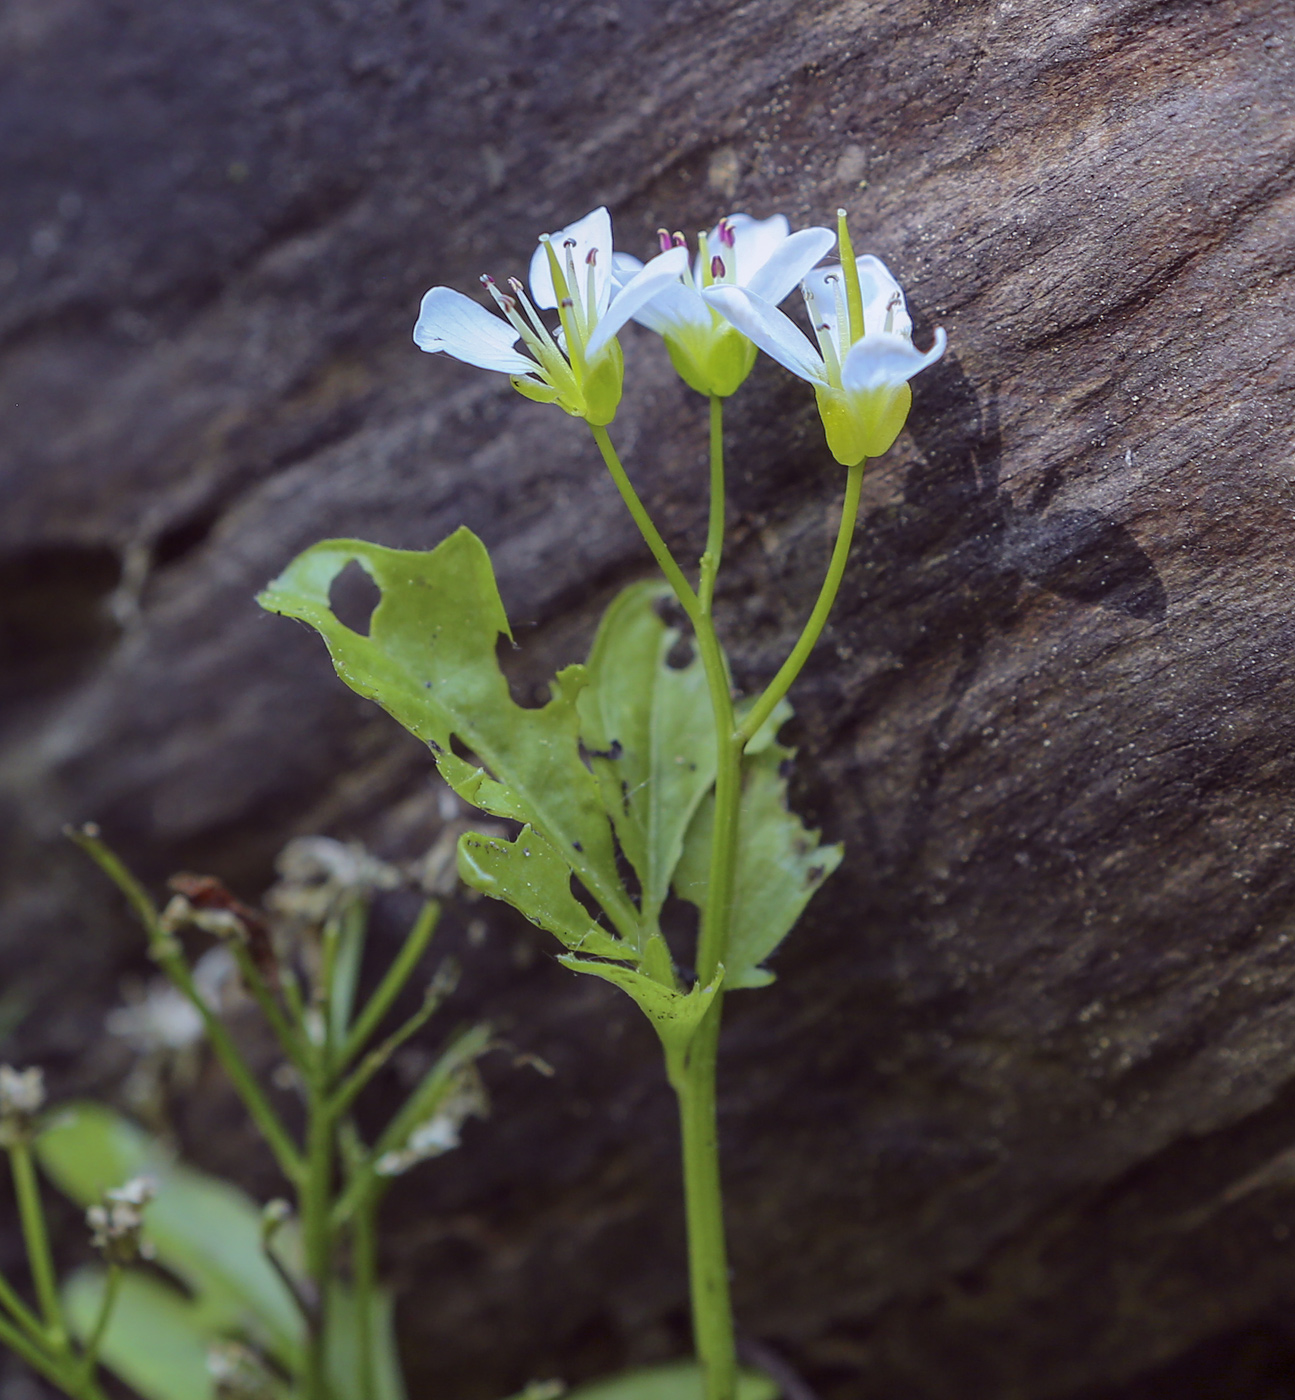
660, 550
715, 526
712, 1311
364, 1243
317, 1232
165, 951
392, 984
36, 1238
794, 664
52, 1368
20, 1312
283, 1029
90, 1358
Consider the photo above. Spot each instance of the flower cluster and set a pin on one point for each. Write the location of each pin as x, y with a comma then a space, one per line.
713, 318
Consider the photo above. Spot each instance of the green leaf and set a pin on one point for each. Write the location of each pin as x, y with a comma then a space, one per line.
156, 1341
205, 1231
679, 1380
531, 876
779, 866
429, 660
675, 1014
648, 728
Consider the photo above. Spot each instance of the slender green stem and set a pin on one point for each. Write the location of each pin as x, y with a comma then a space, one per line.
364, 1245
392, 984
660, 550
715, 527
19, 1310
90, 1357
794, 664
52, 1368
257, 1105
712, 1310
283, 1029
350, 1090
36, 1238
165, 951
317, 1232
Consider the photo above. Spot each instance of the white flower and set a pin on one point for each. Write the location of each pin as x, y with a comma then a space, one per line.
865, 354
581, 368
762, 255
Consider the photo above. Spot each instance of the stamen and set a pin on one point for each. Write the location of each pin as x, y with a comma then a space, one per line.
573, 284
726, 235
822, 334
842, 315
664, 239
896, 301
717, 268
679, 240
704, 261
591, 256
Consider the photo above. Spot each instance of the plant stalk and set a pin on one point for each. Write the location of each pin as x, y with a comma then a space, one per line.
795, 663
36, 1238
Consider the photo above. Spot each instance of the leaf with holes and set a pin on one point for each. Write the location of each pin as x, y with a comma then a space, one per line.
779, 866
531, 876
429, 660
647, 726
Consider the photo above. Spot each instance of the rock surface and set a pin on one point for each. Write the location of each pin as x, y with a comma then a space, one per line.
1010, 1123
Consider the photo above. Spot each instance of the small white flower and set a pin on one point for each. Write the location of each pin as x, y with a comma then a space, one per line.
580, 368
865, 355
762, 255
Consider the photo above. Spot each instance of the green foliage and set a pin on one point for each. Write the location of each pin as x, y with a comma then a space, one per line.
679, 1380
206, 1232
627, 743
429, 660
779, 866
648, 729
208, 1235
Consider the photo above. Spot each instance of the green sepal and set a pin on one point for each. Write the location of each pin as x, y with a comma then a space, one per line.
429, 661
647, 728
531, 876
601, 385
714, 359
675, 1014
779, 866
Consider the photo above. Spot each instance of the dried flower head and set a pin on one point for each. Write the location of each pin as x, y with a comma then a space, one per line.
116, 1224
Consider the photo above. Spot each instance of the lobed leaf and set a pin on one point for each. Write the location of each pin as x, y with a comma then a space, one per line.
780, 864
429, 661
531, 876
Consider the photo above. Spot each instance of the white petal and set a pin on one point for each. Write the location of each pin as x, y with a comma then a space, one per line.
661, 272
879, 288
755, 241
624, 266
593, 234
880, 360
788, 265
675, 307
773, 332
463, 328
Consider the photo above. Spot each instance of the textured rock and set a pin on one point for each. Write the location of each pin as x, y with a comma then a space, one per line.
996, 1129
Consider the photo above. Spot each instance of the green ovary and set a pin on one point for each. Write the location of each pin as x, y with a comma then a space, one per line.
864, 423
712, 360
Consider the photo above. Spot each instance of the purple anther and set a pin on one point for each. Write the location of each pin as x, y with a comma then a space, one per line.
566, 303
680, 241
591, 257
487, 280
726, 235
568, 243
663, 238
717, 267
517, 286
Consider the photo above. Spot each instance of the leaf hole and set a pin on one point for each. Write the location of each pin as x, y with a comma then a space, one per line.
353, 595
680, 656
